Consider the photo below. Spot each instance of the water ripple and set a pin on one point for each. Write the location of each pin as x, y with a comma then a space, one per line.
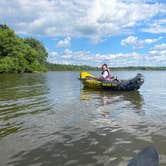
48, 118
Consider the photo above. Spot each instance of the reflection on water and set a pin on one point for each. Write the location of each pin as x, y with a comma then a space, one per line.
108, 97
107, 100
48, 119
123, 109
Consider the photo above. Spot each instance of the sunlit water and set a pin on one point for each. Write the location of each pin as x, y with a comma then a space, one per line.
48, 119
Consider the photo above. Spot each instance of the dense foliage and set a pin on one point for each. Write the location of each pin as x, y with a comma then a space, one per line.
20, 55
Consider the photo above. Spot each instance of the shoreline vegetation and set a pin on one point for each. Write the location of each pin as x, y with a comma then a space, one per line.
62, 67
28, 55
20, 55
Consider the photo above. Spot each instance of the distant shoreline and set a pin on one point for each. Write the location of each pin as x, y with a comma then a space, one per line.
112, 69
139, 68
62, 67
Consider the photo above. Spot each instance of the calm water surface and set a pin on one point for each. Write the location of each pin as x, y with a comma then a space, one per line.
48, 119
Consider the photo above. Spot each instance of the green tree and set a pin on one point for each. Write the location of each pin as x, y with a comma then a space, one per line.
2, 27
40, 49
20, 55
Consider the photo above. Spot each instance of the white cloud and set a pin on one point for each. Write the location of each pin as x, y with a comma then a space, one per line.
131, 40
53, 54
87, 58
67, 54
136, 43
156, 27
64, 43
155, 57
160, 59
93, 19
160, 46
52, 57
159, 50
65, 62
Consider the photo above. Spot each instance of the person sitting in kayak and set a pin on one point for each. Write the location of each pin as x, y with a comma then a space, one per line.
105, 75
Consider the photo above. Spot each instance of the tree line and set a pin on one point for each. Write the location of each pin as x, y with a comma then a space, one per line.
61, 67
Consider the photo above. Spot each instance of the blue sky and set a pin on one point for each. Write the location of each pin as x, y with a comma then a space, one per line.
117, 32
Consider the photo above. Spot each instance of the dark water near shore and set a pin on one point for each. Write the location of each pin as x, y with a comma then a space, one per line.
48, 119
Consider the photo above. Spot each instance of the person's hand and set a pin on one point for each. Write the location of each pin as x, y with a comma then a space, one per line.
100, 78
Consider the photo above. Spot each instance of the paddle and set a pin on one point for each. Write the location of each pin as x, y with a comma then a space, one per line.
91, 78
88, 78
147, 157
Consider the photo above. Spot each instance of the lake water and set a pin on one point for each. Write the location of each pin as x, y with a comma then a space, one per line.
48, 119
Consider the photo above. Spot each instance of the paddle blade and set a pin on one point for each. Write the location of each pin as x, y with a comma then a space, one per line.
84, 75
147, 157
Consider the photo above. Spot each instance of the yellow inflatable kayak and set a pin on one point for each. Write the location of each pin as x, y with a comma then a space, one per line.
90, 81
